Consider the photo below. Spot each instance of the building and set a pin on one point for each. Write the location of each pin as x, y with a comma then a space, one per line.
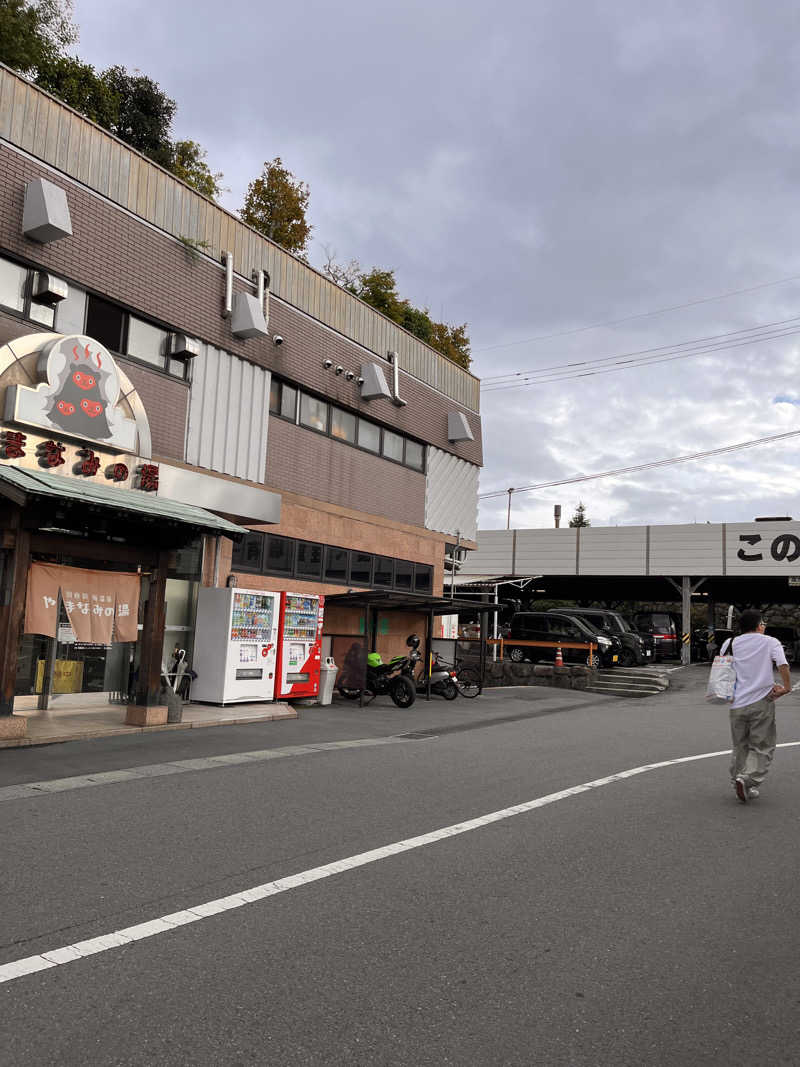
184, 402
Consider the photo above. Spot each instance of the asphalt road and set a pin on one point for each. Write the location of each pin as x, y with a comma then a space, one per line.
649, 920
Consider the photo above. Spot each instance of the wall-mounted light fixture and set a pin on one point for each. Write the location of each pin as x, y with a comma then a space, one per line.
339, 369
327, 363
349, 375
277, 340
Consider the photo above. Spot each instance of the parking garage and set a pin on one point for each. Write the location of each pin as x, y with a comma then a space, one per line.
715, 565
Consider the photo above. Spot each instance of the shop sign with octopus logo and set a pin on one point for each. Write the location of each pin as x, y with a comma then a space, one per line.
79, 397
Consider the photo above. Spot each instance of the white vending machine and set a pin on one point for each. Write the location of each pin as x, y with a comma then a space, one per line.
235, 645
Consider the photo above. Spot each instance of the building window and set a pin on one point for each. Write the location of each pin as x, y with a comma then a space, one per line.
423, 578
71, 313
369, 436
403, 574
336, 565
104, 322
317, 414
309, 560
146, 342
383, 573
343, 425
279, 555
13, 282
42, 313
283, 400
393, 446
313, 413
247, 554
259, 553
360, 568
16, 285
415, 455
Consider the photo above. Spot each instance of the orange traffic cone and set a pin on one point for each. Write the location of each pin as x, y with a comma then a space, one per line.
559, 657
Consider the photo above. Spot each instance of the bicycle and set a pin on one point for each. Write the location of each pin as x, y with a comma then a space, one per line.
468, 680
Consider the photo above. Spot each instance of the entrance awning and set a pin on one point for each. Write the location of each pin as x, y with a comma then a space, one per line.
17, 484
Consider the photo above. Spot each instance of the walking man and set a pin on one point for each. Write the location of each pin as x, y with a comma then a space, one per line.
753, 705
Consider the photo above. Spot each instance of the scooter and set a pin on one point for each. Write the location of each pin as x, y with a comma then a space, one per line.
442, 679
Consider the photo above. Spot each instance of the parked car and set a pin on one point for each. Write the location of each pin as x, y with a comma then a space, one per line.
666, 634
635, 650
557, 628
716, 639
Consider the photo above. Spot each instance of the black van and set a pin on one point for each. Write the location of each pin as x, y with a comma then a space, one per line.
550, 626
665, 628
635, 650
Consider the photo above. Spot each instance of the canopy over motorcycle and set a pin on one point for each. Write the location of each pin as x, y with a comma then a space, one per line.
373, 602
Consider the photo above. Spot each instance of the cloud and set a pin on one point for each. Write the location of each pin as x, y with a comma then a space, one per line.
531, 169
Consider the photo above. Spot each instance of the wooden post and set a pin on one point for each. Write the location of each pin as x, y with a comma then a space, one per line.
149, 709
12, 617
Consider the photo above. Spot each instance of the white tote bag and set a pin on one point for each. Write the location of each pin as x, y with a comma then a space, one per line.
722, 678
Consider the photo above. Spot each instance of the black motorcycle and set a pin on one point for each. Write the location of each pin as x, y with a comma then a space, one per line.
395, 678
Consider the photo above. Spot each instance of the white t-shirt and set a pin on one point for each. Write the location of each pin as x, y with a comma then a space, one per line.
753, 656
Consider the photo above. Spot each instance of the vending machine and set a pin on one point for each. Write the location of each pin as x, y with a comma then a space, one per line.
299, 645
235, 645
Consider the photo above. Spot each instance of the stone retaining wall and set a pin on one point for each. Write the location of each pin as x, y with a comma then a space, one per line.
504, 672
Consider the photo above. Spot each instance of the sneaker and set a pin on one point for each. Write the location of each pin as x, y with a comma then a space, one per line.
752, 792
742, 791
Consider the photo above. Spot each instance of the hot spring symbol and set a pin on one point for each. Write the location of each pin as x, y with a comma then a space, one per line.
79, 398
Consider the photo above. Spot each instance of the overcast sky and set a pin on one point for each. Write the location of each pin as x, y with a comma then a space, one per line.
531, 168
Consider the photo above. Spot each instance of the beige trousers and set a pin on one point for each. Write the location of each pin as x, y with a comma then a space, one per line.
754, 737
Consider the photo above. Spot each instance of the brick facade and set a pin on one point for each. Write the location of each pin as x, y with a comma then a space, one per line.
117, 256
300, 460
166, 401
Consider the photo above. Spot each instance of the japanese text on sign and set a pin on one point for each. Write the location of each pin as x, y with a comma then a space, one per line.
784, 547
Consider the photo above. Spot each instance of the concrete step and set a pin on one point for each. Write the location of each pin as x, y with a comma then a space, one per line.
629, 682
623, 691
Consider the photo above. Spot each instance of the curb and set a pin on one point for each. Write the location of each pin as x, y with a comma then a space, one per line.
57, 739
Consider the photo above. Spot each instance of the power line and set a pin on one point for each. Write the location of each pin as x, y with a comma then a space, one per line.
642, 466
632, 364
641, 315
508, 378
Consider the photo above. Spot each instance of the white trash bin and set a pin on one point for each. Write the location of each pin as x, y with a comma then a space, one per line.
327, 680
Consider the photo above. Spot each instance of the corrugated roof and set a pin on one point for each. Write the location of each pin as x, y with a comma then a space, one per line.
37, 483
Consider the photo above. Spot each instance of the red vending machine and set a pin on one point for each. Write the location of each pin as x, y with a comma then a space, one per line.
299, 645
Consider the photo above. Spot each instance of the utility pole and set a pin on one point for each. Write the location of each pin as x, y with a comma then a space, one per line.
508, 517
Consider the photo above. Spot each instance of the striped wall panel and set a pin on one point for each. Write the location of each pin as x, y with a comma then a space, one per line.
451, 495
228, 415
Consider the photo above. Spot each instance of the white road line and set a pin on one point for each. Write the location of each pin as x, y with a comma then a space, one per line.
29, 790
68, 954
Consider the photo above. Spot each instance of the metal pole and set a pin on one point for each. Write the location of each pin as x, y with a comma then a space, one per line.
508, 517
43, 702
454, 565
494, 628
686, 620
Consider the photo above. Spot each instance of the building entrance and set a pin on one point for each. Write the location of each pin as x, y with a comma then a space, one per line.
81, 635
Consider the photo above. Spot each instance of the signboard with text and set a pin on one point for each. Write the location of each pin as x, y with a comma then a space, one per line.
69, 410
